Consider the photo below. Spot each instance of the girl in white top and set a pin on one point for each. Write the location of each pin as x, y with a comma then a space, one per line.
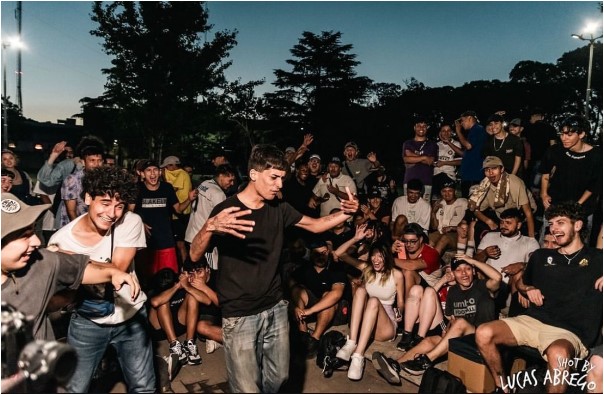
373, 310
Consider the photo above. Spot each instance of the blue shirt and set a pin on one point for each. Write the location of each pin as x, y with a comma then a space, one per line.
471, 163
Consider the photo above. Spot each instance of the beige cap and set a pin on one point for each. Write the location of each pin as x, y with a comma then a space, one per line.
17, 215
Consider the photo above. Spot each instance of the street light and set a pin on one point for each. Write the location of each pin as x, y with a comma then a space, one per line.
9, 43
589, 29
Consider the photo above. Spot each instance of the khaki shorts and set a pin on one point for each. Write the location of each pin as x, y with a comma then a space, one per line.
531, 332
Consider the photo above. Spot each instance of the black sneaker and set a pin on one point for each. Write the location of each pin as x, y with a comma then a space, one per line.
405, 342
386, 367
418, 365
312, 346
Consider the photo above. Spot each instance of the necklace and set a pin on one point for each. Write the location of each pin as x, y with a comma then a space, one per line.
501, 145
569, 260
420, 151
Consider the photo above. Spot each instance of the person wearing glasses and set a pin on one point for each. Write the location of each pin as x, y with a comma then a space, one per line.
572, 169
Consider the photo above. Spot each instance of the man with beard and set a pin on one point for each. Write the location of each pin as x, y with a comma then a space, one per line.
316, 290
563, 319
359, 169
497, 192
330, 189
507, 251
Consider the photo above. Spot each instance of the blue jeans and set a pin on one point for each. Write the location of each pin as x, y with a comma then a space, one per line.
131, 342
257, 350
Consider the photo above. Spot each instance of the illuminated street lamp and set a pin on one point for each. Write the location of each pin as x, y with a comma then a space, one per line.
589, 29
9, 43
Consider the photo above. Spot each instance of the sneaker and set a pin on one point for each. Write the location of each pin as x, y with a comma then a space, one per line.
192, 355
408, 342
177, 349
346, 351
174, 365
357, 363
418, 365
211, 346
312, 347
386, 367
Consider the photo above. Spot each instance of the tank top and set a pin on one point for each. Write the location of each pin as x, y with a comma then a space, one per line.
385, 293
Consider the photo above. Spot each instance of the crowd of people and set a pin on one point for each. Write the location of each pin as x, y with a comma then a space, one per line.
489, 233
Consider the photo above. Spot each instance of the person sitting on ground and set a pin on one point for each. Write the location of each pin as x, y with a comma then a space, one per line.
564, 287
470, 302
376, 208
316, 290
447, 213
374, 314
415, 208
7, 180
415, 257
549, 241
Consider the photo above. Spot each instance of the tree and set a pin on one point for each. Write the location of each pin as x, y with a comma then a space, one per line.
322, 82
528, 71
161, 69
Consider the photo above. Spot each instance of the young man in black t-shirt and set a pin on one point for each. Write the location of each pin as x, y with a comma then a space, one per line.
564, 317
248, 230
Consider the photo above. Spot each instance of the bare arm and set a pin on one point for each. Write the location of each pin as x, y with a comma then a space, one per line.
493, 276
348, 207
547, 200
71, 207
165, 296
328, 300
102, 273
517, 164
530, 221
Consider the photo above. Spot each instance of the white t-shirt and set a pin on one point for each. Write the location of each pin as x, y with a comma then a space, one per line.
321, 188
451, 215
129, 233
513, 250
416, 213
446, 153
210, 195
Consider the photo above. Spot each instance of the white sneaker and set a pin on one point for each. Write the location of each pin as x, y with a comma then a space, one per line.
346, 351
211, 346
357, 363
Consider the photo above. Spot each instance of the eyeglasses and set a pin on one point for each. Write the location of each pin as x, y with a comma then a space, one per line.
410, 241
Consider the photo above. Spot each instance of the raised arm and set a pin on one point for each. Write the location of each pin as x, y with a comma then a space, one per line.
493, 275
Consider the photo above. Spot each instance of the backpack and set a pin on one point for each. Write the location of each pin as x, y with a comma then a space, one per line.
436, 381
329, 344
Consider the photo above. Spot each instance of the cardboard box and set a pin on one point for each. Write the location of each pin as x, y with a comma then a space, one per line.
475, 376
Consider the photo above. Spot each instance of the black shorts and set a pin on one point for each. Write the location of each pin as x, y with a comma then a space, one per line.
436, 331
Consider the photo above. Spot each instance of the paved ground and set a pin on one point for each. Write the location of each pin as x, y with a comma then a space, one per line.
305, 376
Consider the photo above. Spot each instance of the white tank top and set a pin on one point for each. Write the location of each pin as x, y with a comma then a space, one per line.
385, 293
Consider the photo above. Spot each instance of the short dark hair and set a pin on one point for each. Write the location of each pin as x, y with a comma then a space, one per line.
415, 184
416, 229
90, 145
110, 181
512, 213
265, 157
224, 169
570, 209
577, 124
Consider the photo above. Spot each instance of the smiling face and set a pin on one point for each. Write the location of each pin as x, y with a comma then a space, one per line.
17, 252
377, 261
564, 230
420, 129
464, 276
151, 177
445, 133
510, 227
448, 195
413, 196
568, 138
9, 160
350, 153
104, 211
314, 165
412, 242
496, 127
7, 183
267, 183
302, 172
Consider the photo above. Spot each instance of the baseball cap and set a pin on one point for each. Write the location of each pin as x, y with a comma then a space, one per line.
317, 243
457, 262
290, 149
374, 193
516, 122
315, 156
492, 161
336, 160
146, 164
450, 183
17, 215
351, 144
495, 118
468, 113
170, 160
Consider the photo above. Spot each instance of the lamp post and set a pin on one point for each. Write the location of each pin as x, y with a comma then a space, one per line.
592, 40
16, 43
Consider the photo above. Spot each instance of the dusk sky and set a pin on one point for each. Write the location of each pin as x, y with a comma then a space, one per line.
438, 43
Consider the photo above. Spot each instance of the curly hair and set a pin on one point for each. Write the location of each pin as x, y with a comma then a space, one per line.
90, 145
265, 157
569, 209
110, 181
369, 274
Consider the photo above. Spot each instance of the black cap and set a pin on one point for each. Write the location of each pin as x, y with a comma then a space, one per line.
457, 262
336, 160
317, 243
148, 163
374, 192
495, 118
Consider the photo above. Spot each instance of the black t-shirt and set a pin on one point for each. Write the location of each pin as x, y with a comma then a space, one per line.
248, 280
474, 304
319, 283
572, 173
507, 150
155, 207
337, 239
539, 135
571, 300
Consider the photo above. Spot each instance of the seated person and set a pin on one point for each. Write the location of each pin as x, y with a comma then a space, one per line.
416, 258
470, 302
175, 310
447, 213
424, 311
415, 208
316, 290
376, 208
565, 292
337, 235
374, 313
397, 225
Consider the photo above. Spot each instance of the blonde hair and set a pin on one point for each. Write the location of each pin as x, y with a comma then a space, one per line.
369, 274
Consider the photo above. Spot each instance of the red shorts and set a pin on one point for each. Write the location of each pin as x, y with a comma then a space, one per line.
164, 258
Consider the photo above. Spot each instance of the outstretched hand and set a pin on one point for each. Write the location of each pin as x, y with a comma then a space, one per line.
228, 222
120, 278
351, 205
